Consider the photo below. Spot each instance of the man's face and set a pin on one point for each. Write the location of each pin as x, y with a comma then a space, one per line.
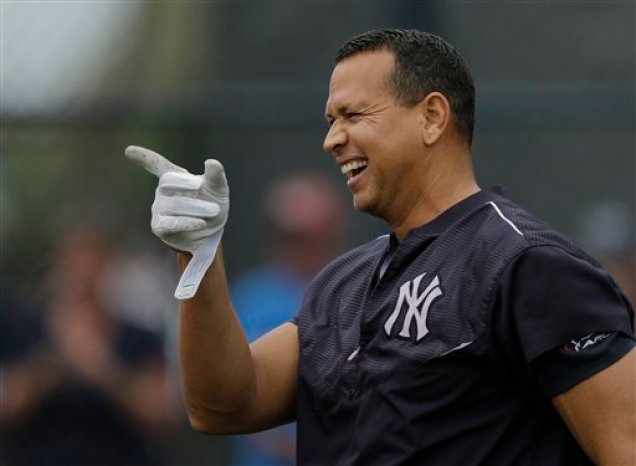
375, 141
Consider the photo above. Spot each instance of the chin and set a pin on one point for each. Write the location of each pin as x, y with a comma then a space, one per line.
357, 204
362, 205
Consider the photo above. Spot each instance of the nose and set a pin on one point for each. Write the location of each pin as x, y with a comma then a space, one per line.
335, 139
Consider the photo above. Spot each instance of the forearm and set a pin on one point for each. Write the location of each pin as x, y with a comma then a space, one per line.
189, 212
220, 371
219, 380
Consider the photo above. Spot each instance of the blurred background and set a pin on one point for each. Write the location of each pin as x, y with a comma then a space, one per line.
88, 322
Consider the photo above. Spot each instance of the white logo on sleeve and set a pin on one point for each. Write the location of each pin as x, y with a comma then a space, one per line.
418, 306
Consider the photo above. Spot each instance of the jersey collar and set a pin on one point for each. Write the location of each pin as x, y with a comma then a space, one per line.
452, 214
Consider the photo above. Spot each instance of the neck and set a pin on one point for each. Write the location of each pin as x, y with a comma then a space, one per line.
442, 187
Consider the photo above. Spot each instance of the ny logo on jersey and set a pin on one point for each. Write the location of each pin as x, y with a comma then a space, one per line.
418, 306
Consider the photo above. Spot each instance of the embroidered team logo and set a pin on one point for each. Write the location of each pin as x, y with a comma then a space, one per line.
417, 306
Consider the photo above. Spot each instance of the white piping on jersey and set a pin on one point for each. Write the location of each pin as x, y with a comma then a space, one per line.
457, 348
514, 227
353, 355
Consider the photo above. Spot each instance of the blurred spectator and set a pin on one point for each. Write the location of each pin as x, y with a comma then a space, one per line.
606, 229
88, 388
141, 289
306, 227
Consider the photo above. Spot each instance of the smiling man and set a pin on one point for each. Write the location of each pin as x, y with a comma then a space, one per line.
405, 154
472, 334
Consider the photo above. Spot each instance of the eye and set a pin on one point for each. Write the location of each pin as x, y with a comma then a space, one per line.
353, 116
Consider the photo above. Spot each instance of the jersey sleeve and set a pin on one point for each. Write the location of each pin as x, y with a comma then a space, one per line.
565, 366
549, 300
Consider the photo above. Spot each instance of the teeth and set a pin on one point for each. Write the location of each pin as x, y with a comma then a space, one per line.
347, 167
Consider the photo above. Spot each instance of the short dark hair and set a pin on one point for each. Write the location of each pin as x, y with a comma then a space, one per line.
424, 63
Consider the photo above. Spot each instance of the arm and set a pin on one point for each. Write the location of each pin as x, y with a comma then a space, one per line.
601, 413
229, 386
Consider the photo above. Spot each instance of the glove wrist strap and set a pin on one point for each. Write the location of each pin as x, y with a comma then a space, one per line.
202, 258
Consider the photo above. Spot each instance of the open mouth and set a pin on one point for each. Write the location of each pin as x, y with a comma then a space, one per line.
353, 168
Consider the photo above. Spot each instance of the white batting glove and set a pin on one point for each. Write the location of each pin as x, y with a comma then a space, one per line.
190, 208
189, 211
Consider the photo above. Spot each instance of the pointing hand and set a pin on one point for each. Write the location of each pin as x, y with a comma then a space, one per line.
189, 211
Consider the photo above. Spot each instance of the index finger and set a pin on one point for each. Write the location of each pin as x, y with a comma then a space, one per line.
153, 162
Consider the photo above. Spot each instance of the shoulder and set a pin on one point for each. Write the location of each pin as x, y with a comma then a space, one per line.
550, 294
503, 229
521, 259
551, 271
553, 259
502, 219
351, 271
360, 257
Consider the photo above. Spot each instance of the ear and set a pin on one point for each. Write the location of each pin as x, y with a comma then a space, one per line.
436, 115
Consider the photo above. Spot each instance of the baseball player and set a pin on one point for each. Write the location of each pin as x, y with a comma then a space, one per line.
472, 334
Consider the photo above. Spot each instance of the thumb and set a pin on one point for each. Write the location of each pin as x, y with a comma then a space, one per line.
214, 176
153, 162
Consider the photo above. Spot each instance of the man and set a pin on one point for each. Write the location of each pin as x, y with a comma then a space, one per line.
472, 334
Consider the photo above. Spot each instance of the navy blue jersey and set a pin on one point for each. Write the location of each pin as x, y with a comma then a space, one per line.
447, 348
